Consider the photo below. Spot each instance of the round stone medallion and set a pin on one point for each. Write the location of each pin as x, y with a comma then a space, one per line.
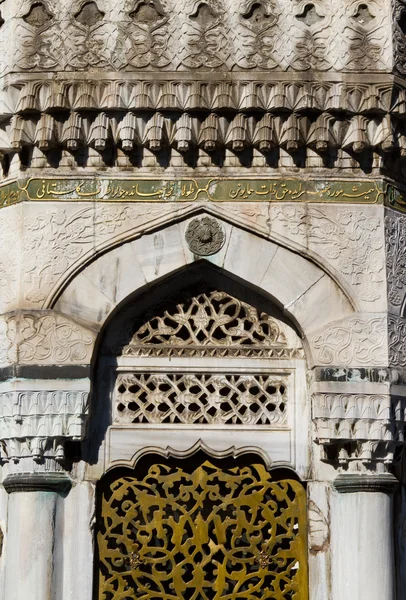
205, 236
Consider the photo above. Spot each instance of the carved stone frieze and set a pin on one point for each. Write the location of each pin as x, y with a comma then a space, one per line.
356, 341
213, 34
43, 338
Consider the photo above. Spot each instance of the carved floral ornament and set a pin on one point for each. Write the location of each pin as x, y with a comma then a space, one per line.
150, 34
205, 236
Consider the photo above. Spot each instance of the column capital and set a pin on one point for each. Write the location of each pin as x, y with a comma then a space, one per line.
352, 483
37, 482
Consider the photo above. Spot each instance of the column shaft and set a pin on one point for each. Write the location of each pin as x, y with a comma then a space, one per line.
30, 543
362, 546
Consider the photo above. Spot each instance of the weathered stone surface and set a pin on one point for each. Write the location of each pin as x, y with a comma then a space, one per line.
202, 224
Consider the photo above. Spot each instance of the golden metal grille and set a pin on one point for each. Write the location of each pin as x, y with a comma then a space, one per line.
202, 532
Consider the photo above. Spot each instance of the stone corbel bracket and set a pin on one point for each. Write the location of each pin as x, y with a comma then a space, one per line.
358, 425
44, 385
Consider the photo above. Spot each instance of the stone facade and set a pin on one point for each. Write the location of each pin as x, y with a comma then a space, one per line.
202, 218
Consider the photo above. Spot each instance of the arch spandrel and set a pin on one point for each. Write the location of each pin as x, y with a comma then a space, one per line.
291, 281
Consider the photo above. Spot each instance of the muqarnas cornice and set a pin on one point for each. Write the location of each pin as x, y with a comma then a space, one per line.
175, 122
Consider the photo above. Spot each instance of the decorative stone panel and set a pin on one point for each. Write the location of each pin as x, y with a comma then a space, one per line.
176, 35
43, 338
201, 399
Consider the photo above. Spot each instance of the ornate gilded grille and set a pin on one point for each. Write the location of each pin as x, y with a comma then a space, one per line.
202, 532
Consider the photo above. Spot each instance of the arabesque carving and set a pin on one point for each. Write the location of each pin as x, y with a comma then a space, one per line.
395, 225
397, 341
44, 337
55, 240
358, 341
179, 35
205, 322
349, 239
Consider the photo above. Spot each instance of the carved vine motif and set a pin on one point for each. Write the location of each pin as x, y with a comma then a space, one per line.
205, 236
145, 39
258, 37
213, 533
207, 320
358, 341
399, 32
207, 43
397, 341
396, 258
350, 240
310, 53
365, 46
33, 338
203, 399
54, 241
40, 44
86, 40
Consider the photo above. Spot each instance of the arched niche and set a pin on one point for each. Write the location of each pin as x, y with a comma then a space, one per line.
199, 360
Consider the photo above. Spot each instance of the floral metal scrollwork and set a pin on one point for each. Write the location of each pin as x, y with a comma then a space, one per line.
202, 532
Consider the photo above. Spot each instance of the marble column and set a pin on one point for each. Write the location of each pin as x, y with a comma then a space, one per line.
362, 538
29, 569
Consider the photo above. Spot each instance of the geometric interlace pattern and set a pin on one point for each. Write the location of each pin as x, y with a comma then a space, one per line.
206, 324
200, 398
202, 532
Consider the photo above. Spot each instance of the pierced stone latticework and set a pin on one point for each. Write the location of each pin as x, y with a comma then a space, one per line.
201, 399
210, 324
